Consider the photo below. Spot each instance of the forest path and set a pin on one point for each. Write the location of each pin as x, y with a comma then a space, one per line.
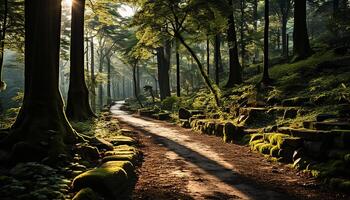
182, 164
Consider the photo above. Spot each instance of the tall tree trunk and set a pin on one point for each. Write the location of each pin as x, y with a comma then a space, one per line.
138, 82
205, 76
109, 97
217, 58
93, 79
100, 86
301, 48
266, 78
41, 127
208, 56
178, 86
284, 9
78, 107
134, 76
123, 88
235, 76
255, 15
2, 44
242, 6
87, 53
163, 62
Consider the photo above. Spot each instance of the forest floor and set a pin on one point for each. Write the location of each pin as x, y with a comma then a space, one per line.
183, 164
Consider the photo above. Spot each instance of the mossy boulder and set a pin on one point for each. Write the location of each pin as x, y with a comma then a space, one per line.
229, 131
184, 114
184, 123
87, 194
112, 180
256, 136
88, 152
265, 148
123, 140
219, 129
132, 157
101, 144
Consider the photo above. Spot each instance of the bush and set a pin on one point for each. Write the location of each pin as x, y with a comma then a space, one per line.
168, 103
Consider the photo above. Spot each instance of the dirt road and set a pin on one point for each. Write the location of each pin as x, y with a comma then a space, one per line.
183, 164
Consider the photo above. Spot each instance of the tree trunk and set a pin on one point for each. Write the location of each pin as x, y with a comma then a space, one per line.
100, 86
235, 76
87, 54
208, 56
2, 43
301, 48
41, 128
284, 9
78, 107
178, 86
123, 88
266, 78
136, 94
217, 58
206, 78
255, 15
93, 79
109, 97
242, 34
138, 83
163, 62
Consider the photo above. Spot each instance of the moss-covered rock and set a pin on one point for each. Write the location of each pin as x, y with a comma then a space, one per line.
219, 129
274, 151
256, 136
87, 194
265, 148
229, 131
88, 152
112, 180
184, 114
123, 140
184, 123
126, 157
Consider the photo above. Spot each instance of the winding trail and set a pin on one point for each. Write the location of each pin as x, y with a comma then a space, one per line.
182, 164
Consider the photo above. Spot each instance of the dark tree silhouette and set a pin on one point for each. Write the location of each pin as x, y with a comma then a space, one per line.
235, 76
266, 78
163, 62
301, 48
78, 107
41, 128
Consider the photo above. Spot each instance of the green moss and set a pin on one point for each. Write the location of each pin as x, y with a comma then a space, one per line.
275, 138
111, 179
265, 148
86, 194
256, 136
274, 151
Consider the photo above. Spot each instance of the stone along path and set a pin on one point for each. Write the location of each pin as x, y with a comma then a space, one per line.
182, 164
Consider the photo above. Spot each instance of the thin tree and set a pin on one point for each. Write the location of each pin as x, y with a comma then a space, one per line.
2, 43
41, 127
266, 78
78, 107
178, 86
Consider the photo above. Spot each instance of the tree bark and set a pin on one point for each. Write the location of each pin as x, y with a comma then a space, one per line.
235, 75
178, 86
134, 74
123, 88
93, 78
255, 15
109, 97
2, 43
242, 6
284, 9
41, 127
217, 58
78, 107
208, 56
163, 62
266, 78
301, 48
